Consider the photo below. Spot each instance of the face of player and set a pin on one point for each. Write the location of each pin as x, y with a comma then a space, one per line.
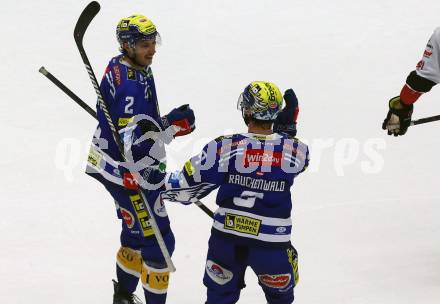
145, 50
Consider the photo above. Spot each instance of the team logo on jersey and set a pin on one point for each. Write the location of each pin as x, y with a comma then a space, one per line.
275, 280
217, 273
243, 224
128, 217
131, 74
260, 157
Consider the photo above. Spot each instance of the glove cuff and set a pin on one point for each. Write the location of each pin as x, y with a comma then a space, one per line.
396, 104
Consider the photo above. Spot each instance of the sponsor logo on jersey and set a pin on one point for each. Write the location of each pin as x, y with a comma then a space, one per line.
129, 181
189, 168
281, 230
116, 172
427, 54
260, 157
275, 280
142, 215
257, 183
94, 157
243, 224
123, 121
260, 137
217, 273
155, 281
158, 281
128, 217
117, 72
131, 74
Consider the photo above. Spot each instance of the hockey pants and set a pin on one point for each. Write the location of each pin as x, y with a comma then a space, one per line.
226, 264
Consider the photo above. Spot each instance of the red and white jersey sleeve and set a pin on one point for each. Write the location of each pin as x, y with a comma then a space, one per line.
429, 66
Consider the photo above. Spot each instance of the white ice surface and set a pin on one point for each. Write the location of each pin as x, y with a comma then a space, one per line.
362, 238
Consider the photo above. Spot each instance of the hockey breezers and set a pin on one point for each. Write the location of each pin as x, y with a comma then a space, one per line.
82, 24
92, 112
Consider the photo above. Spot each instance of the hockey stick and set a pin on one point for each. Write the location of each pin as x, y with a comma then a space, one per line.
66, 90
141, 207
425, 120
92, 112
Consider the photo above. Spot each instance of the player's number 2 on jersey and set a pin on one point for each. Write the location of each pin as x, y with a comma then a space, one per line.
129, 105
247, 199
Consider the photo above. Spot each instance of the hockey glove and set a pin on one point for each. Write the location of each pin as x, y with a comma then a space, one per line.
286, 119
182, 118
398, 118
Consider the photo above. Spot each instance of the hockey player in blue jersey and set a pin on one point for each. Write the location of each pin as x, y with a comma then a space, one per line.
254, 173
128, 88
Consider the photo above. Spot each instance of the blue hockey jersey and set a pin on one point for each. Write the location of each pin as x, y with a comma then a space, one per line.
254, 174
130, 94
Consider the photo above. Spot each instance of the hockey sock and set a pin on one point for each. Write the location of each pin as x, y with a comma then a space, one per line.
155, 283
128, 268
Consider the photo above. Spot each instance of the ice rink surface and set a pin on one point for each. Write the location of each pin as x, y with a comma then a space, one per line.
366, 215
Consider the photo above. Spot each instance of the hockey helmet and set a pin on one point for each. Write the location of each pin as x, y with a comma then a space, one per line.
260, 100
135, 28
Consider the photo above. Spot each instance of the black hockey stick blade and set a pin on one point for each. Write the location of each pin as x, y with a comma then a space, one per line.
84, 20
425, 120
205, 209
